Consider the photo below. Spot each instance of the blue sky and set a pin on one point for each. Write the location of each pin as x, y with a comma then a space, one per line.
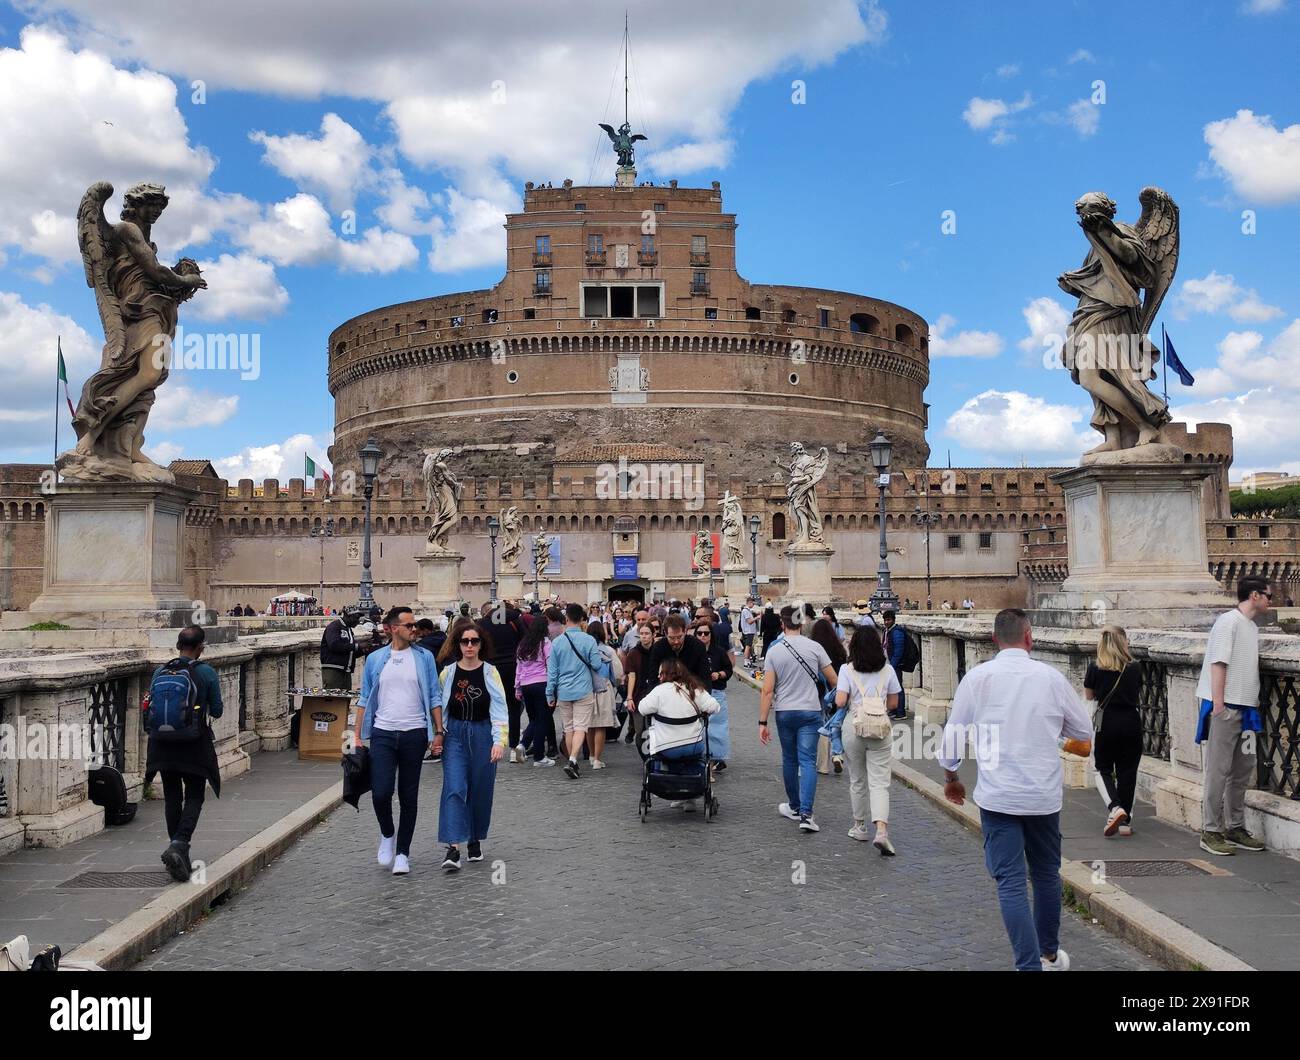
426, 119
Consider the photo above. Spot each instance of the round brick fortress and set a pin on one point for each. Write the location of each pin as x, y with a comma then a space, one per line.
621, 317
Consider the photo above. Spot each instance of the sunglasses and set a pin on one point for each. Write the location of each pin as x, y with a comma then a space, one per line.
402, 625
470, 640
703, 633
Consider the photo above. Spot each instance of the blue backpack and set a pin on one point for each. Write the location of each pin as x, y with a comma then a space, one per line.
173, 715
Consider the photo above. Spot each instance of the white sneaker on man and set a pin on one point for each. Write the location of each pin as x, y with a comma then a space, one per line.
1061, 964
386, 849
596, 763
785, 811
401, 865
543, 762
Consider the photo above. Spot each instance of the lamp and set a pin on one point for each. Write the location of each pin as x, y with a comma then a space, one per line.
493, 525
884, 598
370, 454
754, 523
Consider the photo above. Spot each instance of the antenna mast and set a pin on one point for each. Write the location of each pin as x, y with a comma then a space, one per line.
625, 66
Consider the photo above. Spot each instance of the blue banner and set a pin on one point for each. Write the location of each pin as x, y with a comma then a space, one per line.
625, 567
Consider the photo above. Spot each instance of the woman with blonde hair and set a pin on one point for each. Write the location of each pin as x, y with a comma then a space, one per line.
1114, 681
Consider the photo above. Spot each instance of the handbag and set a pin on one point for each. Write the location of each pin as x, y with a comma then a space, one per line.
356, 775
1099, 711
871, 719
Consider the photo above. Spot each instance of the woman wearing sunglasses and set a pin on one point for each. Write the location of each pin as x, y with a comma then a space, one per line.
721, 666
476, 722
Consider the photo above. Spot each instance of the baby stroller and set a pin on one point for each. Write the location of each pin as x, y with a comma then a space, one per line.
677, 778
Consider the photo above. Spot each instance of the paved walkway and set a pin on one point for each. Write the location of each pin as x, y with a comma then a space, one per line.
580, 883
34, 898
1252, 909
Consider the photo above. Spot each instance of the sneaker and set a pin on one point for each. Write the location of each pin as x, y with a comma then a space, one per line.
630, 737
1117, 817
596, 763
860, 833
431, 757
571, 769
1060, 964
475, 852
837, 763
452, 861
785, 811
539, 763
519, 754
387, 847
401, 865
807, 824
177, 859
720, 766
886, 848
1125, 829
1242, 839
1216, 843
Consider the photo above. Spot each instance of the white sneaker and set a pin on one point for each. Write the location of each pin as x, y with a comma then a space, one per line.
1126, 829
689, 806
785, 811
596, 763
401, 865
543, 762
859, 832
807, 824
386, 848
518, 754
1061, 964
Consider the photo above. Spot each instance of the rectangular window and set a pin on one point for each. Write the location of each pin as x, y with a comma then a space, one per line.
457, 321
699, 282
595, 243
823, 318
954, 542
530, 314
1040, 487
986, 540
711, 313
1013, 487
621, 301
1263, 533
986, 487
699, 245
595, 301
489, 316
647, 244
788, 316
543, 279
647, 301
660, 207
1232, 532
542, 245
579, 205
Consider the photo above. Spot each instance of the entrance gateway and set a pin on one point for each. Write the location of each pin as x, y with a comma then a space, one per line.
622, 591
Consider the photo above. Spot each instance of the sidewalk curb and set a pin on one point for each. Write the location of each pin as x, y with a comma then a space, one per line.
1172, 944
136, 936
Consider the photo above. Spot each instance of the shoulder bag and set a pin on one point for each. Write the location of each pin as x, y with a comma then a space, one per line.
871, 712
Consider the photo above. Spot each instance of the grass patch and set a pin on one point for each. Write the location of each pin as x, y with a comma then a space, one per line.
46, 627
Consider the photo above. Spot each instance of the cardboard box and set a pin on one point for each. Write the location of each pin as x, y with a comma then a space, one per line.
322, 723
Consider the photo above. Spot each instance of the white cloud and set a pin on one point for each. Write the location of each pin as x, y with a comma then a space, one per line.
1081, 56
1047, 320
980, 344
298, 231
476, 235
337, 163
1220, 293
28, 363
1242, 355
163, 453
1009, 70
1260, 161
278, 460
1263, 7
1084, 116
239, 286
1012, 423
179, 407
690, 157
1265, 427
985, 114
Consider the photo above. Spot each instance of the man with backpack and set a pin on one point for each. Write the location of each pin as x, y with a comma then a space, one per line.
902, 653
184, 696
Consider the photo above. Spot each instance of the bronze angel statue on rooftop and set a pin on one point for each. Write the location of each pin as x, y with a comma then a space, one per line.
623, 141
1120, 286
138, 300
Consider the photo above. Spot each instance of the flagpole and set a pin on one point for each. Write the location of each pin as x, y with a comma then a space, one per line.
59, 356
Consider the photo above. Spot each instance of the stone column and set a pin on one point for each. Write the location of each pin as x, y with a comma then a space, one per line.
809, 573
51, 797
939, 671
267, 682
735, 583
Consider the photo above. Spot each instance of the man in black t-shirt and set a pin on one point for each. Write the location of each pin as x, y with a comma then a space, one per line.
506, 635
677, 645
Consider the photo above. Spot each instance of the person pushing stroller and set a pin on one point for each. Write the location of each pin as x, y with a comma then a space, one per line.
678, 700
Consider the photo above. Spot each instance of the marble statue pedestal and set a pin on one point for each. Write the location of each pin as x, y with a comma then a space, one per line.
735, 582
809, 573
1136, 547
510, 586
437, 582
625, 177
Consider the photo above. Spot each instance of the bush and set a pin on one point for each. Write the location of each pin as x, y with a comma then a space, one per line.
46, 627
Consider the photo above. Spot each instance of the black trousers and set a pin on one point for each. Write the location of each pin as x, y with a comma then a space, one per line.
1118, 754
514, 708
395, 762
183, 799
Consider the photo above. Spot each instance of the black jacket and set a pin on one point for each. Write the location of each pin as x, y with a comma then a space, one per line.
719, 662
198, 757
693, 654
338, 646
433, 642
769, 625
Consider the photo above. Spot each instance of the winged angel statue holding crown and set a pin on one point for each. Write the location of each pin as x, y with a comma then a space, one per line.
1120, 286
138, 300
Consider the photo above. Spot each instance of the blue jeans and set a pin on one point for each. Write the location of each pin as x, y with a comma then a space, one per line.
834, 728
900, 710
719, 728
395, 759
468, 779
539, 720
690, 750
798, 732
1009, 842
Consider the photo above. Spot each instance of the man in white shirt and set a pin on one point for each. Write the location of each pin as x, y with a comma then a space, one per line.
748, 628
1017, 709
1229, 693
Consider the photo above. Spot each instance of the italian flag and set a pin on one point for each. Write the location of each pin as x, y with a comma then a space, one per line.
63, 378
309, 470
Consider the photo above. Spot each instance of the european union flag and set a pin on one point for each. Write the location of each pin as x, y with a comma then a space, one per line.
1172, 361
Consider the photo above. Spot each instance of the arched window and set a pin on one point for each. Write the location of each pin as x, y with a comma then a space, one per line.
778, 526
752, 312
864, 323
903, 334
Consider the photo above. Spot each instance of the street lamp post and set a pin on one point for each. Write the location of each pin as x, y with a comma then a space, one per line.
326, 529
928, 520
493, 525
370, 454
884, 598
754, 524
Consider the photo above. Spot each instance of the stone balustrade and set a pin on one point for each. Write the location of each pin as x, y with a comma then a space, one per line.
1170, 775
57, 710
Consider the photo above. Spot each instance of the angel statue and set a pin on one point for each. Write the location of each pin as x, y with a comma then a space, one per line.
622, 141
541, 553
138, 299
733, 528
442, 491
1123, 280
801, 493
511, 539
702, 559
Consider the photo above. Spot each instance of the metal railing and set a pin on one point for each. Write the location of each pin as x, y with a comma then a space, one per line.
644, 257
1154, 708
541, 259
108, 722
595, 257
1277, 748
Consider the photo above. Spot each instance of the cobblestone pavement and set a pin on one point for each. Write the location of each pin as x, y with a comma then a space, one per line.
583, 884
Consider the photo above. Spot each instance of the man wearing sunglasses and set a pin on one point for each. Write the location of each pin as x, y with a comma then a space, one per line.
1229, 693
403, 718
